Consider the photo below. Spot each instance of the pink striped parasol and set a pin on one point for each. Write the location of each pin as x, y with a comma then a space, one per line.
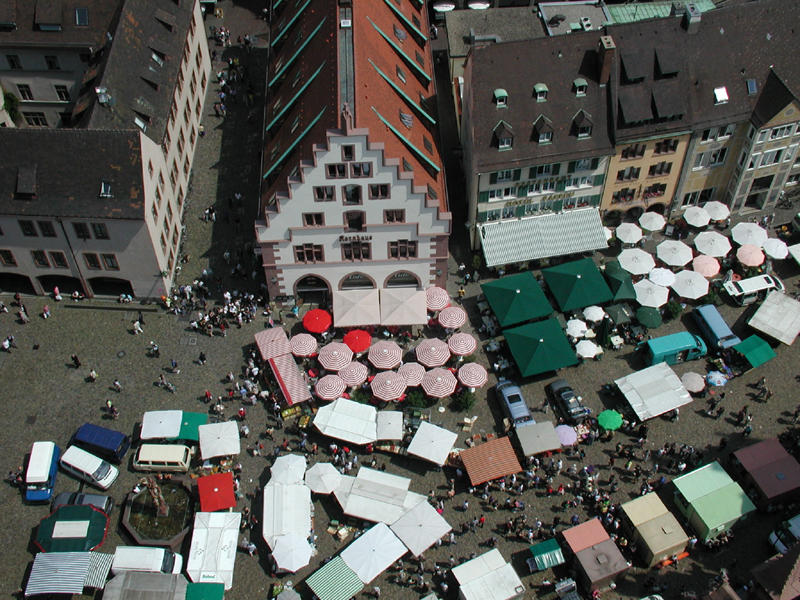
432, 352
473, 375
388, 385
330, 387
413, 372
462, 344
436, 298
385, 354
335, 356
452, 317
354, 374
303, 344
439, 383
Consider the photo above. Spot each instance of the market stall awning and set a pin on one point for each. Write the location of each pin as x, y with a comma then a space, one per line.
334, 581
72, 528
58, 573
490, 460
286, 509
532, 238
290, 379
547, 554
577, 284
190, 423
488, 577
352, 308
389, 425
601, 562
161, 424
403, 306
755, 350
347, 420
139, 585
516, 298
774, 471
619, 281
373, 552
272, 342
376, 496
653, 391
539, 347
432, 443
213, 550
216, 492
586, 534
536, 438
778, 317
219, 439
205, 591
420, 528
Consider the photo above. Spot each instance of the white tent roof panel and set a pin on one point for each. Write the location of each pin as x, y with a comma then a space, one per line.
420, 527
778, 317
158, 424
538, 437
374, 552
352, 308
488, 577
374, 496
390, 425
286, 509
219, 439
403, 306
653, 391
432, 443
347, 420
213, 551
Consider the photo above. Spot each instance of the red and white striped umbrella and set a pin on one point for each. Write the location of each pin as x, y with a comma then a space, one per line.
436, 298
330, 387
388, 385
462, 344
432, 352
385, 355
413, 372
354, 374
303, 344
335, 356
452, 317
473, 375
439, 383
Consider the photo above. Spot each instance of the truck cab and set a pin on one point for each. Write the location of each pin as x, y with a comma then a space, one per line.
672, 349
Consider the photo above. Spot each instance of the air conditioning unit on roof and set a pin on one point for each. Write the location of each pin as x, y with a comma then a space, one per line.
346, 23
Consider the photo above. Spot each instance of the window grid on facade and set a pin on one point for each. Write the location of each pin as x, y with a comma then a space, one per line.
47, 229
40, 259
35, 119
58, 259
351, 195
100, 231
379, 191
356, 250
336, 170
92, 260
25, 92
659, 169
7, 258
28, 229
52, 63
13, 62
81, 231
360, 169
394, 215
324, 193
634, 151
313, 219
623, 195
666, 147
308, 253
403, 249
628, 173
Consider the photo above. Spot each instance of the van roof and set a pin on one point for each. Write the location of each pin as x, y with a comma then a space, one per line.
672, 342
751, 284
40, 461
91, 433
161, 452
712, 317
74, 454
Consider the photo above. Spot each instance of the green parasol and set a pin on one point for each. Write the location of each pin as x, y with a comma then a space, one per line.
610, 420
649, 317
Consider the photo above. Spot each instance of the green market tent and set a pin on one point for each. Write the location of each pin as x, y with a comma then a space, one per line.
539, 347
334, 581
190, 421
620, 313
516, 298
577, 284
547, 554
649, 317
620, 282
755, 350
205, 591
72, 528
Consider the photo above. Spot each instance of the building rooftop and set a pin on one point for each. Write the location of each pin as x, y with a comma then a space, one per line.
560, 18
465, 28
642, 11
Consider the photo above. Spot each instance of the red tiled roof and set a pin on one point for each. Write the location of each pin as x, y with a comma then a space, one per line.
585, 535
491, 460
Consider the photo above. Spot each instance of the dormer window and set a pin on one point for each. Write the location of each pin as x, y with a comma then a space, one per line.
501, 98
721, 95
105, 189
504, 136
540, 92
580, 86
543, 130
582, 125
545, 137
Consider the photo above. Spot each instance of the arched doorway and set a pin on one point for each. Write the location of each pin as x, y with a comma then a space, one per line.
15, 282
357, 281
632, 214
312, 289
402, 279
110, 286
657, 208
66, 284
613, 218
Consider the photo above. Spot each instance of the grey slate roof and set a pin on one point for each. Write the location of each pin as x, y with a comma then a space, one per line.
65, 167
496, 25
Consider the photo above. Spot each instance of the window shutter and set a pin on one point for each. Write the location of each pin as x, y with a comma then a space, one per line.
483, 196
556, 168
594, 200
520, 211
561, 185
517, 174
492, 178
571, 166
595, 163
558, 205
532, 173
599, 179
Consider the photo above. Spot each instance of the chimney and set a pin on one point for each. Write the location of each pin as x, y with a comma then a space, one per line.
606, 50
691, 19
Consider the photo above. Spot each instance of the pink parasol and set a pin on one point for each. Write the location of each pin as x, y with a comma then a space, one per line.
354, 374
303, 344
330, 387
439, 383
452, 317
473, 375
750, 255
388, 385
436, 298
432, 352
385, 355
413, 372
707, 266
335, 356
462, 344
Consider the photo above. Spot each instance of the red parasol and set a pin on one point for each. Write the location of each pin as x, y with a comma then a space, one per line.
358, 340
317, 320
216, 492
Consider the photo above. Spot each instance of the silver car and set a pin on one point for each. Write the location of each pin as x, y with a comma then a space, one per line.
513, 403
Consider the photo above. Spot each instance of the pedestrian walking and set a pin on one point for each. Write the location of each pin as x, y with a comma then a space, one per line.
748, 429
75, 361
92, 375
117, 386
137, 328
140, 318
173, 364
376, 592
202, 359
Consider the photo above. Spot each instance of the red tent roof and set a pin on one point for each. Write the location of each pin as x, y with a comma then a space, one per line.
490, 460
771, 467
585, 535
216, 492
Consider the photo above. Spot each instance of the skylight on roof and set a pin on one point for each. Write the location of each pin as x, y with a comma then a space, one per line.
82, 17
752, 87
721, 95
105, 189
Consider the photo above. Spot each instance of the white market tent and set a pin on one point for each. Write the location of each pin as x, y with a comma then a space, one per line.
323, 478
346, 420
137, 585
794, 251
289, 468
653, 391
390, 425
373, 552
488, 577
537, 437
420, 527
432, 443
67, 572
403, 306
160, 424
778, 317
219, 439
286, 510
376, 496
213, 551
291, 553
352, 308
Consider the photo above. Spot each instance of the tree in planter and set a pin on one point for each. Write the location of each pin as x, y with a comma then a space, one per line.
360, 395
416, 398
673, 309
464, 400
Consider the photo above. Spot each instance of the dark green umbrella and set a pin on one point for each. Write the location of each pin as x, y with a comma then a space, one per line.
619, 313
610, 420
516, 298
577, 284
72, 528
649, 317
539, 347
620, 282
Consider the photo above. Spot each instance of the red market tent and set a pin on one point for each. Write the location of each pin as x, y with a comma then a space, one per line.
490, 460
216, 492
585, 535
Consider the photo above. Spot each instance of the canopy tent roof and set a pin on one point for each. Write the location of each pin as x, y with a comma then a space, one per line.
643, 509
488, 577
657, 526
216, 492
577, 284
272, 342
67, 572
207, 591
601, 561
713, 495
190, 423
322, 478
291, 552
140, 585
373, 552
774, 471
352, 308
161, 424
334, 581
403, 306
586, 534
376, 496
490, 460
516, 298
778, 317
432, 443
389, 425
72, 528
213, 551
653, 391
539, 347
537, 438
347, 420
619, 281
219, 439
288, 468
290, 379
420, 527
286, 509
755, 351
547, 554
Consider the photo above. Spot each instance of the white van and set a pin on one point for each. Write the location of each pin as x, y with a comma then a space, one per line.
94, 470
142, 558
786, 535
163, 457
747, 291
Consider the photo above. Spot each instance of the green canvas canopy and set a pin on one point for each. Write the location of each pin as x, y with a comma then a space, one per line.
649, 317
547, 554
755, 350
577, 284
190, 421
205, 591
334, 581
620, 282
516, 298
619, 313
539, 347
72, 528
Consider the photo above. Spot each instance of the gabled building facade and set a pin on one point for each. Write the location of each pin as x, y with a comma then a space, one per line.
353, 194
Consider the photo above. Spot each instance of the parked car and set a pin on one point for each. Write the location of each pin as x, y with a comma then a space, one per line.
566, 401
513, 403
104, 503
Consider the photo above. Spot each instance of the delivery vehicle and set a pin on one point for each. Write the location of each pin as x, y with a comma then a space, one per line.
106, 443
40, 476
88, 467
100, 502
714, 328
142, 558
566, 401
786, 535
513, 403
163, 457
752, 289
673, 349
